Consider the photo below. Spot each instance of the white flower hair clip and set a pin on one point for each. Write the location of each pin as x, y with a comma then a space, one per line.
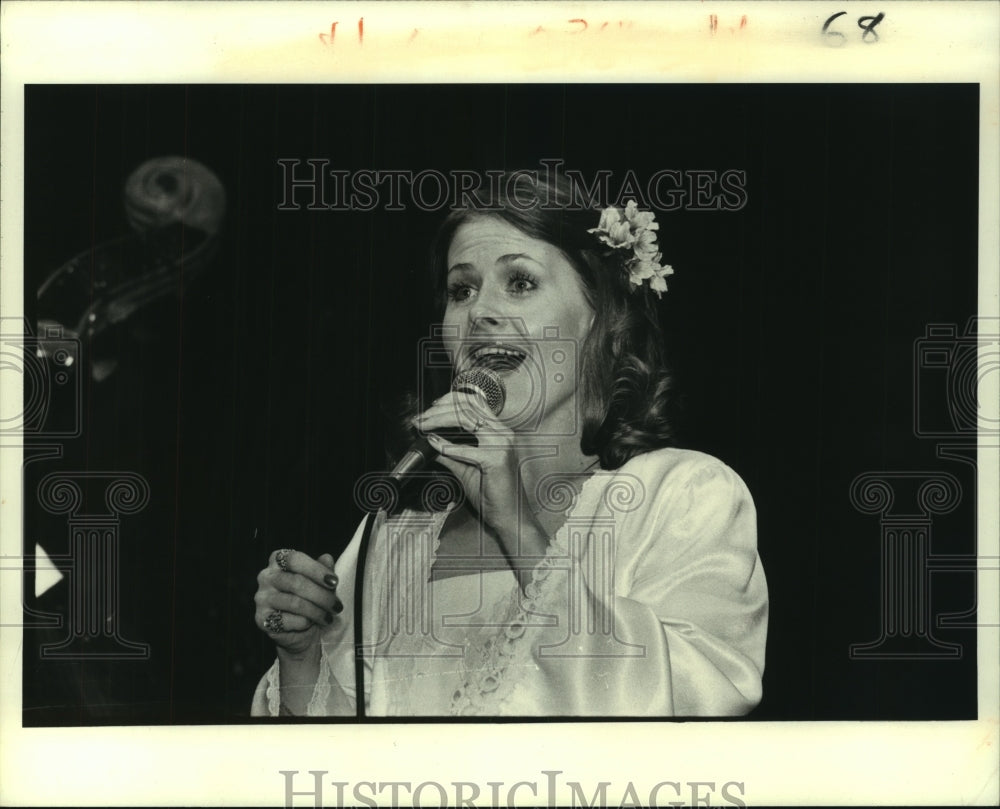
637, 230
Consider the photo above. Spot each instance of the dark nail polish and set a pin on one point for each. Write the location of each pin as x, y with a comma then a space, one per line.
330, 580
338, 607
329, 617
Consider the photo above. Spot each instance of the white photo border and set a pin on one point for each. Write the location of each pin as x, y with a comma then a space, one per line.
791, 763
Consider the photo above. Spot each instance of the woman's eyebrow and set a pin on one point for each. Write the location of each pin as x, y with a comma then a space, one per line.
504, 260
510, 258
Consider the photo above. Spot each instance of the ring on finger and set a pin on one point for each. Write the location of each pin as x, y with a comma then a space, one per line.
479, 423
281, 558
275, 622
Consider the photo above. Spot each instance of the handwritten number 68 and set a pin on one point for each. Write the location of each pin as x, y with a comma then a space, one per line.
835, 39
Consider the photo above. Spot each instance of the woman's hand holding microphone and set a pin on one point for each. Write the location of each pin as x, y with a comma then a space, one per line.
488, 472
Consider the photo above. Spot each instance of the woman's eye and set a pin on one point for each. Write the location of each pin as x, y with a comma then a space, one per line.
459, 292
521, 283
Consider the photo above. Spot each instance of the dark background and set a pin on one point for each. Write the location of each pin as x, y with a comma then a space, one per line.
251, 399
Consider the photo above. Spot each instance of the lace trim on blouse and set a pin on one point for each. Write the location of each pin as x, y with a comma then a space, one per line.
494, 667
321, 693
273, 690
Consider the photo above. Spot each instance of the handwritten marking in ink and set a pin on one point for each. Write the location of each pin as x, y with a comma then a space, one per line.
327, 39
870, 27
835, 39
580, 25
713, 24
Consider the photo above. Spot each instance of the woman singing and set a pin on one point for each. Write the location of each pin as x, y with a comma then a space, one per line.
583, 567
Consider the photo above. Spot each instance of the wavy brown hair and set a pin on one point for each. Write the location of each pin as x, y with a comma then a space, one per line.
626, 390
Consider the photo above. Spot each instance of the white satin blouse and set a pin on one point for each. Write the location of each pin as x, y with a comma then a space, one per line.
651, 601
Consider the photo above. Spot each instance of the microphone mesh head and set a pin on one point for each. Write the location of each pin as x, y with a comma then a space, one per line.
484, 381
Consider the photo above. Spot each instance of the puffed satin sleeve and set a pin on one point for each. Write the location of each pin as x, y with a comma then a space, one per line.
336, 652
659, 612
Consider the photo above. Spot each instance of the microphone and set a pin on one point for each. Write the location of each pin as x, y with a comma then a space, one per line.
478, 379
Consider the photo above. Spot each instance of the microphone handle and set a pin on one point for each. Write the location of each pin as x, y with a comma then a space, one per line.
419, 455
422, 454
474, 380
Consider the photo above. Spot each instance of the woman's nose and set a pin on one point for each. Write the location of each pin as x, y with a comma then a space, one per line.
486, 312
482, 321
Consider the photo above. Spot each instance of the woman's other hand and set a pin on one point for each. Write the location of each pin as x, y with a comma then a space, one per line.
296, 597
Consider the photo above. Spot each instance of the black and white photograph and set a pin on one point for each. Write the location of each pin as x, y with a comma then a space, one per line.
265, 287
525, 405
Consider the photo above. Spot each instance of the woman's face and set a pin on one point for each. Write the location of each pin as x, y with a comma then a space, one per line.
516, 305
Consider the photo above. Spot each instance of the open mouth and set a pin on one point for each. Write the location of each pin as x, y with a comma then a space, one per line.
497, 357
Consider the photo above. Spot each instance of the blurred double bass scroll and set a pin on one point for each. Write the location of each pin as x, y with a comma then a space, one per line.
175, 207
